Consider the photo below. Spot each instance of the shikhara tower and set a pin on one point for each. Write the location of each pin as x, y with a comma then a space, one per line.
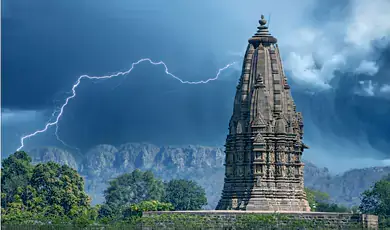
264, 169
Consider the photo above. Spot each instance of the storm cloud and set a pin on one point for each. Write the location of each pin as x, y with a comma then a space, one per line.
336, 56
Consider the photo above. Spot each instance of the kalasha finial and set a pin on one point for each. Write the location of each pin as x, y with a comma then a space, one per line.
262, 35
262, 21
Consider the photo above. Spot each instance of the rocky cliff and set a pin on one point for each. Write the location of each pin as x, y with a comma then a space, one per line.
200, 163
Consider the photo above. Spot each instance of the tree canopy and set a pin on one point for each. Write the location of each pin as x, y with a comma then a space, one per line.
52, 193
16, 172
185, 195
320, 202
376, 200
61, 188
315, 197
46, 189
132, 188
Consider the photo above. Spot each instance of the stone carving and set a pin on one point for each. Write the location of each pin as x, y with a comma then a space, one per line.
248, 157
240, 171
280, 148
280, 125
232, 127
284, 171
239, 128
262, 156
265, 125
259, 78
258, 121
240, 157
257, 168
278, 170
259, 138
269, 128
247, 171
229, 158
234, 203
284, 158
271, 171
271, 157
293, 158
258, 181
289, 171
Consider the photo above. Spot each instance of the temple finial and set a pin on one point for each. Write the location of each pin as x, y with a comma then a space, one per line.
262, 21
262, 35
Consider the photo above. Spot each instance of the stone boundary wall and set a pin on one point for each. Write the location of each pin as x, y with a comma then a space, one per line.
227, 219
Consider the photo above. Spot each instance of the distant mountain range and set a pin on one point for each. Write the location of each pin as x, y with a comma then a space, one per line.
200, 163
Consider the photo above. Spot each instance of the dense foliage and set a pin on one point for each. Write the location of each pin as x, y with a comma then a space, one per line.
185, 195
320, 202
377, 201
129, 189
132, 188
47, 191
51, 193
16, 172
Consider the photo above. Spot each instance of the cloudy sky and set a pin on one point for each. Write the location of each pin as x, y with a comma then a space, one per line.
336, 55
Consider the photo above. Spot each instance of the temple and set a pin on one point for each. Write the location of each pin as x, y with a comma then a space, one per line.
264, 169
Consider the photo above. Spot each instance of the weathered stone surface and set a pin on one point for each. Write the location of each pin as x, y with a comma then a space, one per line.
264, 169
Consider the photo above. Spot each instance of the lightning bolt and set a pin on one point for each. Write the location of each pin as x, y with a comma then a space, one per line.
63, 142
74, 87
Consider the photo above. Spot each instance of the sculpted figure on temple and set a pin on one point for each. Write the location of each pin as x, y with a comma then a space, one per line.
240, 171
258, 181
239, 128
232, 127
240, 157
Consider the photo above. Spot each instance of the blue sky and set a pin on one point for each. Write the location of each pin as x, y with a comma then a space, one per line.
336, 56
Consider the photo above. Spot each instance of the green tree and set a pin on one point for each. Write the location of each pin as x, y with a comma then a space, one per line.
86, 218
185, 195
45, 192
310, 199
314, 198
59, 190
16, 171
132, 188
16, 211
376, 200
320, 202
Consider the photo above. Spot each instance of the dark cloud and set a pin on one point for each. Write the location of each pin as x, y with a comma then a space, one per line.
47, 45
356, 117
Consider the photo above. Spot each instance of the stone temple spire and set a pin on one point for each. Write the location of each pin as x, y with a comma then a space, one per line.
264, 146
